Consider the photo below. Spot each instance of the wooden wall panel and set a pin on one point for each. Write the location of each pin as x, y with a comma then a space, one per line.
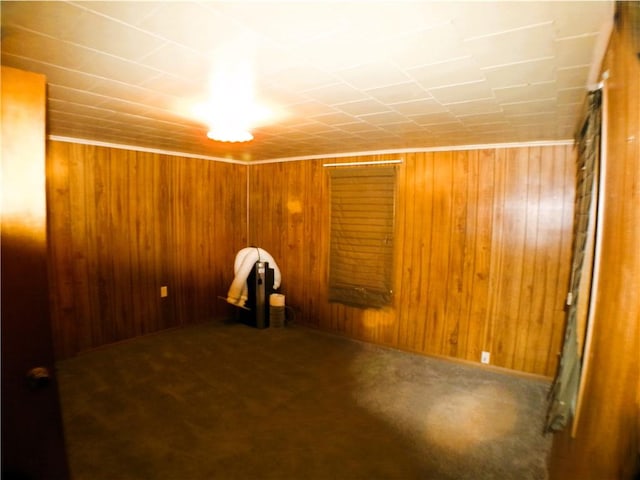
121, 225
607, 439
481, 250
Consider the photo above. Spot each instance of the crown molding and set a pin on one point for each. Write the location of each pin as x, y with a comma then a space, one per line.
399, 151
135, 148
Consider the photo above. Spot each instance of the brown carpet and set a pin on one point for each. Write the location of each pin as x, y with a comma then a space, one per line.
226, 401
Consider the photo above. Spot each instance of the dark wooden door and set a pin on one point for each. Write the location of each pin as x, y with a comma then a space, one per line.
32, 438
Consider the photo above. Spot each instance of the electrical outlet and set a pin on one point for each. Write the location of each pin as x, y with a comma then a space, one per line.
485, 357
164, 292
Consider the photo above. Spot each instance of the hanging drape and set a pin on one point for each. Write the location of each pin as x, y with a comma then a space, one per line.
564, 391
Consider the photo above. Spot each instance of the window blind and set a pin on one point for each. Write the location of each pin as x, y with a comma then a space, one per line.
362, 221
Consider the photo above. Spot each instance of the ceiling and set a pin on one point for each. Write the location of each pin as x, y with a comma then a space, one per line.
336, 77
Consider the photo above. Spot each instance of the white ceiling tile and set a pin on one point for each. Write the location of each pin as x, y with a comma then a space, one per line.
572, 77
570, 110
513, 46
446, 127
533, 118
362, 107
373, 75
335, 94
87, 120
402, 92
334, 53
451, 72
474, 107
317, 128
143, 122
179, 61
528, 108
53, 19
271, 59
334, 118
433, 118
81, 110
575, 51
175, 86
482, 119
462, 93
533, 71
113, 68
192, 25
110, 36
534, 91
57, 75
426, 47
41, 48
571, 95
383, 118
310, 108
66, 94
301, 78
283, 97
283, 22
570, 20
133, 13
402, 128
425, 106
356, 127
491, 18
492, 127
131, 93
297, 136
386, 19
131, 108
422, 138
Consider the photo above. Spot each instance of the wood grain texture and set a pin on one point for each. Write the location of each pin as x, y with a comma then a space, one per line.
122, 224
607, 434
32, 437
482, 239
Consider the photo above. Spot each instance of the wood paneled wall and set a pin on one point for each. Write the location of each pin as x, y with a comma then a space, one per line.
124, 223
607, 442
481, 252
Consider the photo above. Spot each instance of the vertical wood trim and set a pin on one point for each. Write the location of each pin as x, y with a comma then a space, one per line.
467, 339
563, 259
485, 273
496, 268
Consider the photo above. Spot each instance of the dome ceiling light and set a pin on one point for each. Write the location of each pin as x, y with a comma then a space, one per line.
232, 109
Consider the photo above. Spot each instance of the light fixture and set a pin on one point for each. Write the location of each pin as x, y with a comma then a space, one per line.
229, 135
230, 109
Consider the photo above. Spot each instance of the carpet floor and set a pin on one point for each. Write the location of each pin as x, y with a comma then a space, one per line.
226, 401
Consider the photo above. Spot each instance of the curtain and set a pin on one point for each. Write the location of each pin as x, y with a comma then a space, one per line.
564, 390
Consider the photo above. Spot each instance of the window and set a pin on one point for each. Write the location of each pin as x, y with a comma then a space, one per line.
361, 255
